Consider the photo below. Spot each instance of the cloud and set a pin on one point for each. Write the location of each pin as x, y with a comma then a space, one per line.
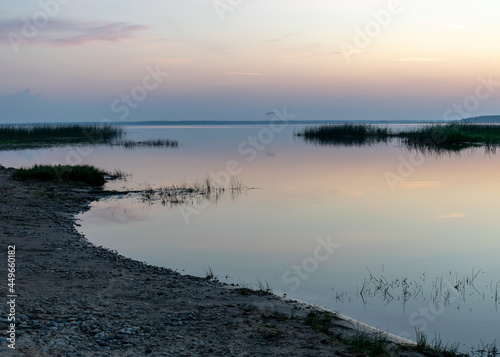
451, 215
68, 33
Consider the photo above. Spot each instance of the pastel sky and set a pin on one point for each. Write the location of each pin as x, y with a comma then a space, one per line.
85, 60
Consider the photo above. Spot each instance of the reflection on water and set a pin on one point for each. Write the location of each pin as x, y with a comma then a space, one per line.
321, 216
425, 147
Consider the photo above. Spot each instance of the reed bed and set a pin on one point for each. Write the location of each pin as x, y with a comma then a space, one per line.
432, 138
66, 133
14, 137
345, 134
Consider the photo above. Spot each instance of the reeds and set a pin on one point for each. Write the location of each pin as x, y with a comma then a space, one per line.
431, 138
345, 134
59, 134
205, 189
35, 136
436, 346
372, 345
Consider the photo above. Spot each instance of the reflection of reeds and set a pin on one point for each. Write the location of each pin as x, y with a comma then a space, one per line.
130, 144
444, 291
205, 189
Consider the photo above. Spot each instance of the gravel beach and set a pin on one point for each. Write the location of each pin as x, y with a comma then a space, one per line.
72, 298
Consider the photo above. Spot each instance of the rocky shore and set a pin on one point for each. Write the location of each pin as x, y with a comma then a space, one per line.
72, 298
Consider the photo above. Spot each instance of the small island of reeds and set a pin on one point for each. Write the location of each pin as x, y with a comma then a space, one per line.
453, 136
16, 137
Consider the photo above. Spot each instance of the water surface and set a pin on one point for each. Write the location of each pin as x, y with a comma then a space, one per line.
420, 233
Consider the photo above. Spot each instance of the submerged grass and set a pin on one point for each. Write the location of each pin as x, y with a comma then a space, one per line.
81, 174
183, 193
454, 136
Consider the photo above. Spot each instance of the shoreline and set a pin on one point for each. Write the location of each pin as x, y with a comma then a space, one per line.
77, 299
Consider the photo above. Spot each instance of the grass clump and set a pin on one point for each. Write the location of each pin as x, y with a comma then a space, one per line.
209, 274
80, 174
370, 345
436, 346
319, 320
262, 289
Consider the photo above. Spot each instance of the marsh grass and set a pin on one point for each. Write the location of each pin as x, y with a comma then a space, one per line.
487, 350
345, 134
319, 320
262, 289
209, 274
431, 138
373, 345
81, 174
184, 193
14, 137
436, 347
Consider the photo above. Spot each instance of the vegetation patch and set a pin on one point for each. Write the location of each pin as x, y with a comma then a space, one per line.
453, 136
376, 345
320, 320
81, 174
33, 136
16, 137
345, 134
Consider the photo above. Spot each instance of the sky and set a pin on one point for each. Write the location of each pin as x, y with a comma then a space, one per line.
129, 60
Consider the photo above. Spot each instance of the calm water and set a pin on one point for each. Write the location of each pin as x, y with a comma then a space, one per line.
417, 236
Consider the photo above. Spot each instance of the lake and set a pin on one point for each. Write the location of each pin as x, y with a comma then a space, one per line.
391, 237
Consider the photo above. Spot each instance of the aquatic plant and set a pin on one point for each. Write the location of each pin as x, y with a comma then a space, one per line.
184, 193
